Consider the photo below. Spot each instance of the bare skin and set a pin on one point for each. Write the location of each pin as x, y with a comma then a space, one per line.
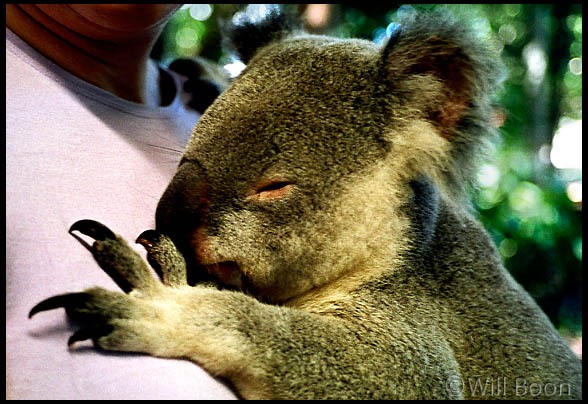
107, 45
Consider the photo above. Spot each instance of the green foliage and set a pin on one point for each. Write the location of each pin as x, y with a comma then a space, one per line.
523, 200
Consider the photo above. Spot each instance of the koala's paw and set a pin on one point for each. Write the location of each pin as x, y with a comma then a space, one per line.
130, 321
124, 265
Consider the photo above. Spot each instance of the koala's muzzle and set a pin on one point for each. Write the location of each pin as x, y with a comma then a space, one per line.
181, 208
181, 215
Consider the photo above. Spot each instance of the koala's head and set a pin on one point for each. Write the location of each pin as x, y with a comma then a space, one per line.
301, 171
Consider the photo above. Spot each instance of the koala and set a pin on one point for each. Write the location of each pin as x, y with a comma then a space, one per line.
316, 241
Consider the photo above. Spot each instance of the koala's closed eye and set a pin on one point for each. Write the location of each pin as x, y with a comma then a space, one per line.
270, 190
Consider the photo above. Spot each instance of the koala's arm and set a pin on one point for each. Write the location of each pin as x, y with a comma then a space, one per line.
265, 350
269, 351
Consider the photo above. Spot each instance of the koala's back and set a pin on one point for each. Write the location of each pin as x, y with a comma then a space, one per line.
468, 307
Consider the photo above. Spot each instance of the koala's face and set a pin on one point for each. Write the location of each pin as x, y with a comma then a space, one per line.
300, 175
272, 190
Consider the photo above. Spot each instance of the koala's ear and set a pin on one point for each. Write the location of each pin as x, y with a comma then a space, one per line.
244, 36
434, 45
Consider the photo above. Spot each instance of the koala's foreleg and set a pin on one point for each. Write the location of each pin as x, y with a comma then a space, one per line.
115, 319
267, 351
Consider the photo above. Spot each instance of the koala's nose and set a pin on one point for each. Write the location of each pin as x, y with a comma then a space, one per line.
180, 208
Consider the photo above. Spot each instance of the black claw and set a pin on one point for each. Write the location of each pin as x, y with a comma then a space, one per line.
148, 238
92, 229
93, 332
59, 301
99, 232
